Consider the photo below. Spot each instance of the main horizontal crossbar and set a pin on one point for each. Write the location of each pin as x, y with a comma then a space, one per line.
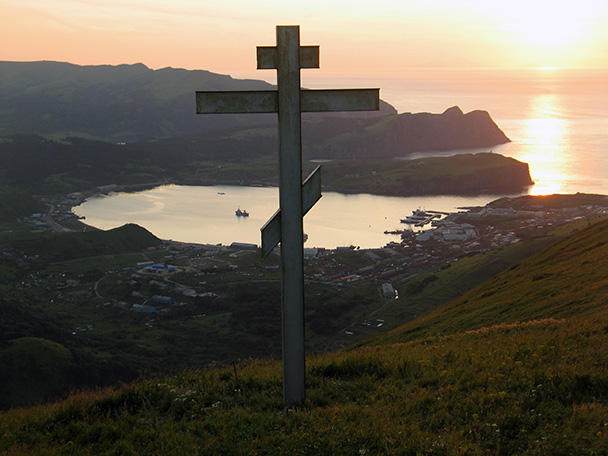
339, 100
265, 101
234, 101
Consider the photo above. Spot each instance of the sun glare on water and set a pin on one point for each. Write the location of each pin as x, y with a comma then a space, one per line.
548, 138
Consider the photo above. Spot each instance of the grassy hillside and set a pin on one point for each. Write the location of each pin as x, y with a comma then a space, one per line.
458, 174
15, 204
75, 164
567, 280
69, 246
516, 366
42, 366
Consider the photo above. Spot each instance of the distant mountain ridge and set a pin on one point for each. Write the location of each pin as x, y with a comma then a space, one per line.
130, 103
122, 103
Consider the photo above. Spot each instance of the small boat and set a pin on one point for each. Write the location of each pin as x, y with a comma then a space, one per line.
241, 213
418, 216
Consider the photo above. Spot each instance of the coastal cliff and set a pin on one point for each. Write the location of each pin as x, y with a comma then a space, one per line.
403, 134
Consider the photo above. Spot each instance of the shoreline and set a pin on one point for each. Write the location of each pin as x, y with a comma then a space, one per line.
467, 174
515, 190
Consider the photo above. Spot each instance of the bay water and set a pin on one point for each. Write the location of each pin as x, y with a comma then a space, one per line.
557, 120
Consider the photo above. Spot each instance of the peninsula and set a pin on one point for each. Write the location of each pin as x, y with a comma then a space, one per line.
72, 128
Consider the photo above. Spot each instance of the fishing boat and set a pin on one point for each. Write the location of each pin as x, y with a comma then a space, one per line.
418, 216
241, 213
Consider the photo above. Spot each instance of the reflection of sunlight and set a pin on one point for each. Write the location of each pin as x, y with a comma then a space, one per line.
545, 135
149, 205
545, 131
545, 187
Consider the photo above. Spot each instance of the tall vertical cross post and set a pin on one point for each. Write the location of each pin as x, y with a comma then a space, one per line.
295, 198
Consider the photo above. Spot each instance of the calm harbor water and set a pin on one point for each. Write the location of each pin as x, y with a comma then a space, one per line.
557, 120
207, 214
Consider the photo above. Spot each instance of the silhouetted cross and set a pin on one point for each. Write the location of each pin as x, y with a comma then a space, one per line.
295, 198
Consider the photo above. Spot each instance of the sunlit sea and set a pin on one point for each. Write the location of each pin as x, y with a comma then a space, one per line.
557, 121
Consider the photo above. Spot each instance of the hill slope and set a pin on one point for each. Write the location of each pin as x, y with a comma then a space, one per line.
129, 103
17, 204
73, 245
567, 280
117, 103
122, 103
521, 373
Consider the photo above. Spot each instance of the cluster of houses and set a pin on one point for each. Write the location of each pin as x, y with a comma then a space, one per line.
450, 237
454, 235
449, 231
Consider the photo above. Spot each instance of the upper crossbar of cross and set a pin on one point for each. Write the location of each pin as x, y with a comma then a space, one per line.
267, 101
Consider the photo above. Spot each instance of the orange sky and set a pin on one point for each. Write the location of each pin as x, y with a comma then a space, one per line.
356, 37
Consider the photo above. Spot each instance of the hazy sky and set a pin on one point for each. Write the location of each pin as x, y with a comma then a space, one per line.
356, 37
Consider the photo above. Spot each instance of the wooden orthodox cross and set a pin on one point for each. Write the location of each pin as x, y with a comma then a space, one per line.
295, 198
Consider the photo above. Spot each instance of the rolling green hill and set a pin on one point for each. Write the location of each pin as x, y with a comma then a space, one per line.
43, 166
567, 280
69, 246
42, 365
516, 366
18, 204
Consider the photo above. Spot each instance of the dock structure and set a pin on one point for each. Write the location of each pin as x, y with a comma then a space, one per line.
295, 197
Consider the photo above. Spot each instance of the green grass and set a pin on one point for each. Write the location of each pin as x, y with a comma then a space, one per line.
460, 174
40, 365
567, 279
516, 366
451, 281
14, 204
68, 246
64, 183
507, 389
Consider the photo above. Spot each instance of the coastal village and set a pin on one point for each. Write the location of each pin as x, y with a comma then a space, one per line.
428, 240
